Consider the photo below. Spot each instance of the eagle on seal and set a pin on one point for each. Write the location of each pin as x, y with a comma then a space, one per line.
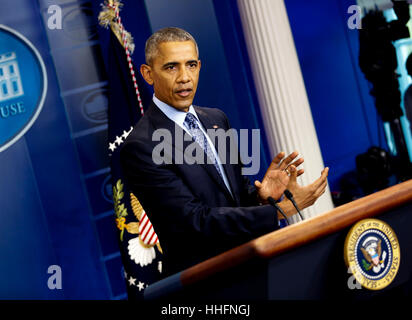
372, 253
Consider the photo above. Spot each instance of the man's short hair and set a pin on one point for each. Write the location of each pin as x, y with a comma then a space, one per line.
166, 35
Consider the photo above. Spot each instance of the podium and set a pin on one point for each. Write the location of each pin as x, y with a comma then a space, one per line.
301, 261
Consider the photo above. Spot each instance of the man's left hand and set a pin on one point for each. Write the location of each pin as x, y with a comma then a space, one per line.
304, 196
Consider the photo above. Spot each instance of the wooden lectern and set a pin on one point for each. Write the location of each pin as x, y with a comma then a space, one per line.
301, 261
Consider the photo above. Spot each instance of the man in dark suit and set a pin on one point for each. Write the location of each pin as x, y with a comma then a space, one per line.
198, 210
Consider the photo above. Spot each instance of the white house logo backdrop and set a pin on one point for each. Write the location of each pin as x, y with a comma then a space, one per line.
23, 86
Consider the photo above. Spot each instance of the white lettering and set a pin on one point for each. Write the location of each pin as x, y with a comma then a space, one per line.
55, 20
355, 20
55, 280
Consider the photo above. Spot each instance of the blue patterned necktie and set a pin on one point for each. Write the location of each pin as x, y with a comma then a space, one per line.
200, 138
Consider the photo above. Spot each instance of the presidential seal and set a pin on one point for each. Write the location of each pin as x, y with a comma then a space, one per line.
372, 253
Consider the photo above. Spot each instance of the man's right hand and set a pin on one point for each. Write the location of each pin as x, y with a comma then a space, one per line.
276, 178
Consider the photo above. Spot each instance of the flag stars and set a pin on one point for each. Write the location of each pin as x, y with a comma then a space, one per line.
132, 281
112, 147
118, 140
141, 286
126, 133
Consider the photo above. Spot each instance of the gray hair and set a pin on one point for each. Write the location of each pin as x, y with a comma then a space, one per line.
166, 35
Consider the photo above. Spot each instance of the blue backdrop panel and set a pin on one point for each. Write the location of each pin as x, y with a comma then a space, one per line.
93, 151
101, 202
115, 272
26, 250
87, 109
107, 235
45, 196
343, 112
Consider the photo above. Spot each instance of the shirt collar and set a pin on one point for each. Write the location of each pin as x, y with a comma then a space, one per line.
173, 114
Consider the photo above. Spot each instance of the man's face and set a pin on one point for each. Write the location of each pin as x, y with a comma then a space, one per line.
174, 73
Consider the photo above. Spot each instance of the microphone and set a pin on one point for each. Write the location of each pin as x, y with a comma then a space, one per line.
289, 195
274, 204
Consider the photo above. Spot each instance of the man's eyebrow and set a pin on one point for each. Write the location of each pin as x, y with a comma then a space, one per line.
174, 63
171, 63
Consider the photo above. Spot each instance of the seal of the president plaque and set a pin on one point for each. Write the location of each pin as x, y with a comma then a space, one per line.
372, 253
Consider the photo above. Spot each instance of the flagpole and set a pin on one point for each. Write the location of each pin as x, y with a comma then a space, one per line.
138, 238
114, 5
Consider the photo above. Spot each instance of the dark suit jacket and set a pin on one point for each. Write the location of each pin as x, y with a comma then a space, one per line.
191, 210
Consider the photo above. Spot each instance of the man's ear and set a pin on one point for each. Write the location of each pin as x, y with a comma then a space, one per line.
146, 72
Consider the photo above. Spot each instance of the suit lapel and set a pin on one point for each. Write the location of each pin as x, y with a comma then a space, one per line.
160, 120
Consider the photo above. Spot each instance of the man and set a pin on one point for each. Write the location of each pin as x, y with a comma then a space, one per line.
199, 210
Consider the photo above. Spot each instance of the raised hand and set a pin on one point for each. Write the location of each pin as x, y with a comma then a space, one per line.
304, 196
276, 177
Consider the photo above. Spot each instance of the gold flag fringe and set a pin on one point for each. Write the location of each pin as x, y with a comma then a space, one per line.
109, 17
